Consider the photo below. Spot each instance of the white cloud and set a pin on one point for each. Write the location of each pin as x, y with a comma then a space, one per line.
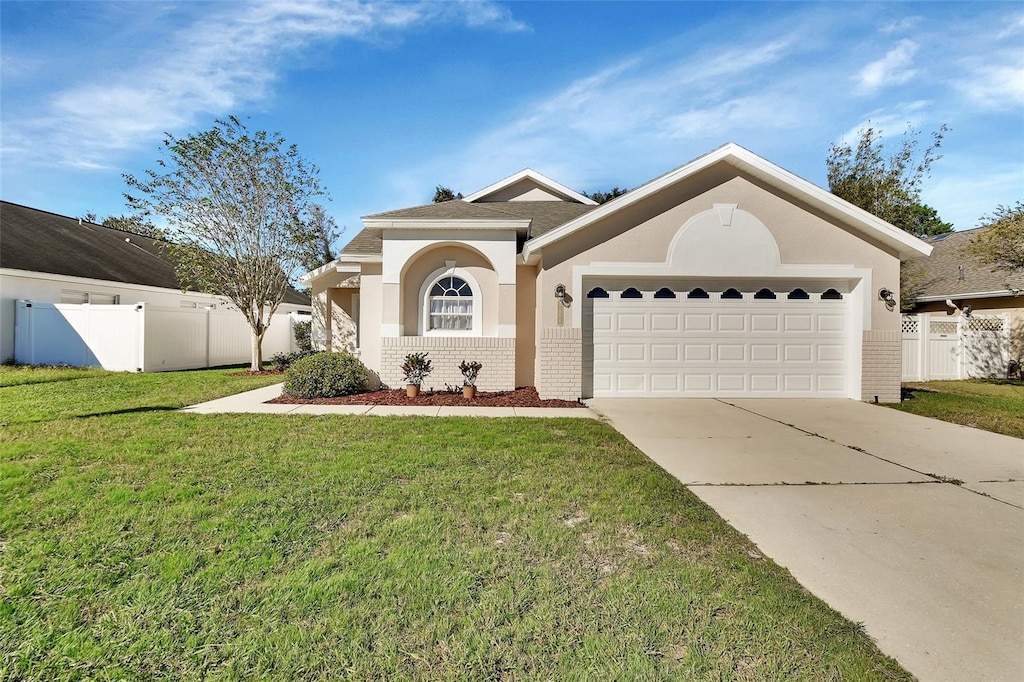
892, 69
963, 189
227, 58
994, 86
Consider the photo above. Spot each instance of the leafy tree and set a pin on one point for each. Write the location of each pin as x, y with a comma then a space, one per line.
442, 193
238, 210
1001, 245
323, 233
887, 186
133, 224
927, 223
602, 197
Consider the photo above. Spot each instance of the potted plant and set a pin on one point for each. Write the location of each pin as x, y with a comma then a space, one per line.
469, 370
416, 368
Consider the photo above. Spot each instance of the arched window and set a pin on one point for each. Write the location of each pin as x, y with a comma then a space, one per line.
831, 295
731, 293
664, 292
631, 292
798, 295
765, 293
450, 305
597, 292
698, 293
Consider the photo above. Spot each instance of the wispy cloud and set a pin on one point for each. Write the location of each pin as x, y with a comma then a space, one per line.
892, 69
227, 58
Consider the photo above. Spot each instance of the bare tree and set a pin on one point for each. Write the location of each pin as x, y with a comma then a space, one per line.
237, 206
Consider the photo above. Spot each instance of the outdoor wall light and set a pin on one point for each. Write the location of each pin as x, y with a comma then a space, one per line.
562, 295
887, 296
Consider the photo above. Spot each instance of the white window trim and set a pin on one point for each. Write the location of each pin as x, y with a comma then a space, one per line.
424, 303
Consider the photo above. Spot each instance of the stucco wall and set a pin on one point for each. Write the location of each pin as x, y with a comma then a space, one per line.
420, 267
497, 355
526, 327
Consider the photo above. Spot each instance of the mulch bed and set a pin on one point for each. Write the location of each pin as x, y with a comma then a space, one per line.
521, 397
250, 373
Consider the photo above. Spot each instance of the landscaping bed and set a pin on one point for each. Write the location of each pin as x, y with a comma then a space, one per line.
520, 397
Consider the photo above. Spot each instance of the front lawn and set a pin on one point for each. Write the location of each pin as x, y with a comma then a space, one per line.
138, 542
994, 405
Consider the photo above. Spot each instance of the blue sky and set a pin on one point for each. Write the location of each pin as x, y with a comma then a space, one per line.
390, 100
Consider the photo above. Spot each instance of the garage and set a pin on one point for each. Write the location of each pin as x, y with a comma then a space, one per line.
717, 339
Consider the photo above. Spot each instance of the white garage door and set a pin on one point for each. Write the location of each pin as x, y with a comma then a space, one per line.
719, 341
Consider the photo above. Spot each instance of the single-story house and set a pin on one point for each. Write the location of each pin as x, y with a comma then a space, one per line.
726, 277
950, 274
50, 258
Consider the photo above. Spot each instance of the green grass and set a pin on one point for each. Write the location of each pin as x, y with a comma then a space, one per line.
142, 543
991, 404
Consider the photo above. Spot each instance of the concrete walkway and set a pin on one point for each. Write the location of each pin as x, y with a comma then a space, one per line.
256, 402
858, 502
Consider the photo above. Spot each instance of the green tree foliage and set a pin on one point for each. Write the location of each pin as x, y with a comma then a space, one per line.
442, 193
889, 186
238, 206
602, 197
1001, 245
927, 222
133, 224
323, 232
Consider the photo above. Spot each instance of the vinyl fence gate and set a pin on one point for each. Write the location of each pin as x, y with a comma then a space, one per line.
936, 346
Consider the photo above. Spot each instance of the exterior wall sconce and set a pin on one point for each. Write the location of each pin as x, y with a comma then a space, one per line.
887, 296
562, 295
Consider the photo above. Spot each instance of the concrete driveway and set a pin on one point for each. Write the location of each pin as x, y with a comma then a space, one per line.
861, 504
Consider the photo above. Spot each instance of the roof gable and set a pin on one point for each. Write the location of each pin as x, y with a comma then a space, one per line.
746, 161
527, 185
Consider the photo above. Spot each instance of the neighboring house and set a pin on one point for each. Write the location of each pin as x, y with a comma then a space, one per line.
950, 274
49, 258
727, 277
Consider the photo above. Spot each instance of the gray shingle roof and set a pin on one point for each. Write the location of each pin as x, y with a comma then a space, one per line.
941, 270
545, 216
39, 241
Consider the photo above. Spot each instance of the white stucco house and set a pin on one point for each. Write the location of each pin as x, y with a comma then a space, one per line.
46, 258
726, 277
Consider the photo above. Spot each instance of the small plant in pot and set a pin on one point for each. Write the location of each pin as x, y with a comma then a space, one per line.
416, 368
469, 370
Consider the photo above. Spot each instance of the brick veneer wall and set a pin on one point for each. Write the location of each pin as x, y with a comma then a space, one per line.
881, 366
498, 357
560, 363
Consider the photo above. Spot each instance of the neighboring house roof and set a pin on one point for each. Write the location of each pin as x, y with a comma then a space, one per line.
40, 241
764, 171
941, 276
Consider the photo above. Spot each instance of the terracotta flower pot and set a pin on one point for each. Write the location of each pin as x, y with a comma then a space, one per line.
469, 392
412, 390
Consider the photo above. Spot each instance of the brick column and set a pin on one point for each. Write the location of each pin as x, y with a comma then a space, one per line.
881, 366
560, 363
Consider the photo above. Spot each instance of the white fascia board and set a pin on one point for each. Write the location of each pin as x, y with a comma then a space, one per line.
349, 264
904, 243
540, 179
71, 279
1002, 293
380, 224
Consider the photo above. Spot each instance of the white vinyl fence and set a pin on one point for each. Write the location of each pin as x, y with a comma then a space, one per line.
139, 337
936, 346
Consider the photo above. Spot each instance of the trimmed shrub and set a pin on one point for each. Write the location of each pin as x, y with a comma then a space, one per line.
282, 361
303, 333
325, 375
